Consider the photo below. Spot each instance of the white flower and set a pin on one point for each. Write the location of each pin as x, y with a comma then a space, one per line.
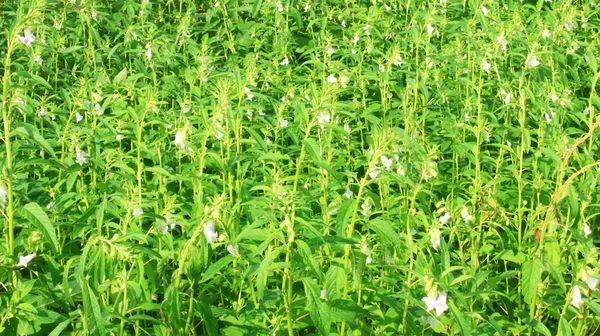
4, 193
400, 171
365, 28
219, 135
507, 99
369, 260
435, 238
81, 157
232, 250
330, 51
119, 137
387, 163
28, 37
180, 139
42, 112
149, 53
280, 6
586, 230
217, 4
366, 208
283, 123
137, 211
57, 25
185, 109
430, 29
466, 215
209, 232
508, 143
331, 79
577, 301
374, 172
486, 66
285, 61
485, 10
586, 111
445, 218
382, 68
546, 33
24, 260
439, 303
99, 109
94, 14
347, 194
502, 41
532, 61
324, 117
323, 294
78, 117
38, 60
548, 119
466, 117
592, 282
163, 229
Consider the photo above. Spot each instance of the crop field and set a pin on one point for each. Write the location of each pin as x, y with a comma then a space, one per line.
312, 167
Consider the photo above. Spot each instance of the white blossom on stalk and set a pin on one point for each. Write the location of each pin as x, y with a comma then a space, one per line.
466, 215
285, 61
27, 37
532, 61
210, 233
331, 79
330, 51
323, 294
24, 260
546, 33
99, 109
366, 208
42, 112
507, 99
430, 29
180, 139
324, 117
232, 250
219, 135
137, 212
485, 10
591, 282
186, 108
485, 65
283, 123
576, 301
38, 60
4, 194
369, 260
438, 303
386, 162
280, 7
435, 237
81, 157
586, 230
445, 218
94, 14
374, 172
586, 111
348, 193
78, 117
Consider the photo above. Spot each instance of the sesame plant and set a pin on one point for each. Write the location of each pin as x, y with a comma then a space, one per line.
250, 167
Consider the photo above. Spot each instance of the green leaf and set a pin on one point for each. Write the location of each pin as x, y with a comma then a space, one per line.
386, 231
532, 273
30, 132
319, 312
34, 213
210, 322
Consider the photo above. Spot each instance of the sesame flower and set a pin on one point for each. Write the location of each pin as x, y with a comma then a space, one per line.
283, 123
532, 61
285, 61
323, 294
149, 53
430, 29
24, 260
137, 211
331, 79
99, 109
4, 193
438, 303
507, 99
347, 194
78, 117
445, 218
210, 233
486, 66
576, 301
485, 10
435, 239
232, 250
586, 230
386, 162
180, 139
81, 157
466, 215
27, 37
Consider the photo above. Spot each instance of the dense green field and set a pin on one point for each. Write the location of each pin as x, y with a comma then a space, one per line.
250, 167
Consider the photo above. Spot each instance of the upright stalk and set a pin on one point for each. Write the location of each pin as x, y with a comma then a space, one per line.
9, 167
